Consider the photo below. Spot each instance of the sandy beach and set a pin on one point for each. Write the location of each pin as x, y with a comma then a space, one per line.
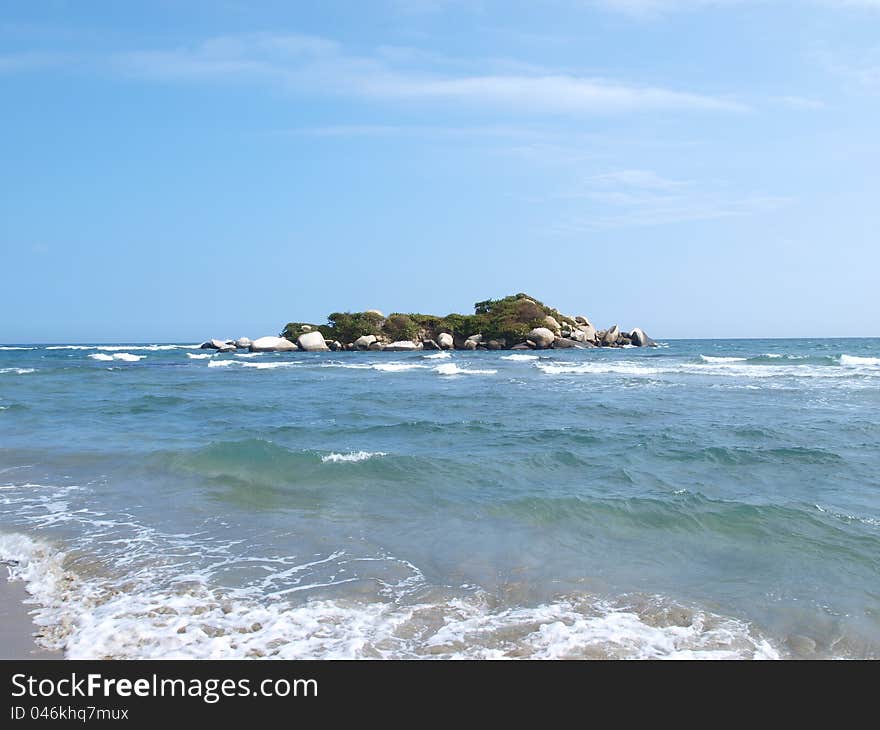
16, 627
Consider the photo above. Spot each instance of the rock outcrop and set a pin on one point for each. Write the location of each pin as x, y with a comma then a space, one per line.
542, 337
402, 346
312, 342
610, 336
514, 322
640, 339
272, 344
224, 345
364, 341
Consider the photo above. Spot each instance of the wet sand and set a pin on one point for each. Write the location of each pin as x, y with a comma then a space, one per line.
16, 627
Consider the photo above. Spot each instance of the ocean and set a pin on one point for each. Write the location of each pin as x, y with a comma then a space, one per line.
705, 499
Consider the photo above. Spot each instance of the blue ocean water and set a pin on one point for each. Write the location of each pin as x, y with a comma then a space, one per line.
706, 498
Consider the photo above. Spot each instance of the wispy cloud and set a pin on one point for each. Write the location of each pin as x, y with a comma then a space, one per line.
654, 8
640, 198
30, 61
320, 65
800, 102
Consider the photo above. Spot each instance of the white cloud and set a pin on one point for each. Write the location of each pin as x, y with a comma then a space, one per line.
653, 8
28, 61
639, 198
800, 102
321, 66
645, 179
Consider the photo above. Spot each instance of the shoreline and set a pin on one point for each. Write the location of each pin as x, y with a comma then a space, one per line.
17, 628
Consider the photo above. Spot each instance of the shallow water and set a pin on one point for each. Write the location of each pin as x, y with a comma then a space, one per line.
706, 498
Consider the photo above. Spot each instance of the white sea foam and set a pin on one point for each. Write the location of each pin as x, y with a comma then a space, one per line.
91, 619
347, 366
438, 356
200, 356
9, 347
519, 358
871, 521
221, 363
732, 369
117, 348
855, 360
269, 365
450, 368
248, 354
396, 367
124, 356
710, 358
352, 456
17, 371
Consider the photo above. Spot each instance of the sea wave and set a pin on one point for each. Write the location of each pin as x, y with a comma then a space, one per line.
9, 347
221, 363
437, 356
270, 365
17, 371
710, 358
451, 368
728, 368
200, 356
188, 618
118, 348
856, 360
124, 356
519, 358
352, 456
397, 367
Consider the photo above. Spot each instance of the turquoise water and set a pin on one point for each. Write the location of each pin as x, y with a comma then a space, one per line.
706, 498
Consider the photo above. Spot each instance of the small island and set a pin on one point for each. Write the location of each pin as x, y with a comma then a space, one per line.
517, 322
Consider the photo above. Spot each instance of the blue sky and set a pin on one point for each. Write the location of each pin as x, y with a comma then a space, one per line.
182, 170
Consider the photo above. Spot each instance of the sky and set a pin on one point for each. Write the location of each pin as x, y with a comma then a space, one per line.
174, 171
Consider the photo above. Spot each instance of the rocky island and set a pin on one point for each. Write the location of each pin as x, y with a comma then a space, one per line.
517, 322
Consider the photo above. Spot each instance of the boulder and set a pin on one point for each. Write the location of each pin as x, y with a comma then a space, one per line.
363, 342
610, 336
227, 348
551, 324
542, 337
312, 342
470, 344
563, 343
430, 345
335, 345
589, 331
444, 339
216, 344
500, 344
376, 346
582, 320
272, 344
475, 338
402, 346
521, 346
243, 342
640, 339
